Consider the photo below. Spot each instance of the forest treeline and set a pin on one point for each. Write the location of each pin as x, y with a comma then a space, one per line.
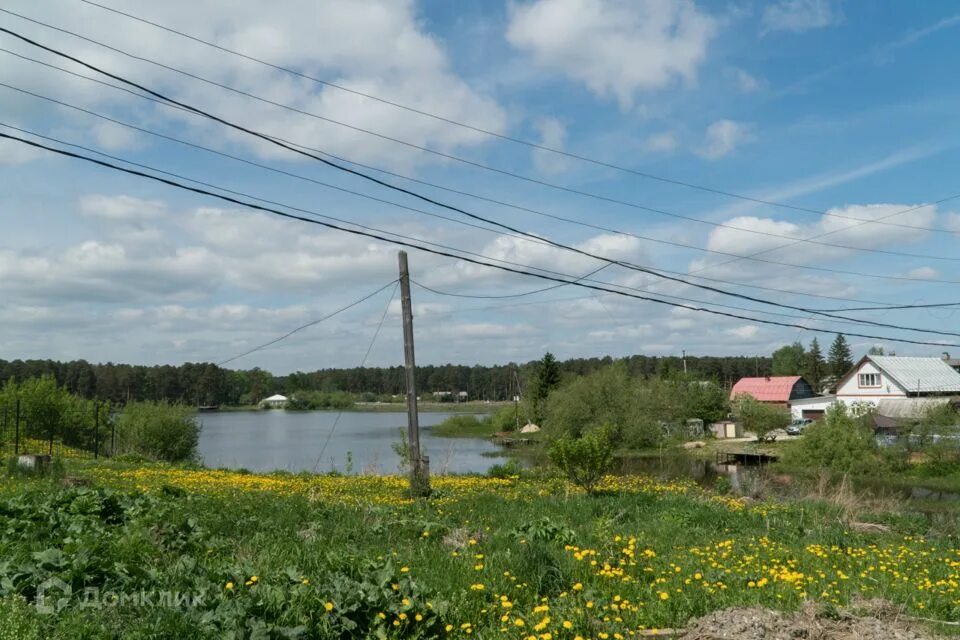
208, 384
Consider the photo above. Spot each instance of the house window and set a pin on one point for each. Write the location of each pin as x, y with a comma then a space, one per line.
869, 380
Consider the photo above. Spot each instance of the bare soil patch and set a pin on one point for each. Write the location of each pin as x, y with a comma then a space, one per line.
866, 620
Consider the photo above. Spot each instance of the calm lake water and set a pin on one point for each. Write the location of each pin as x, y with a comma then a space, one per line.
293, 440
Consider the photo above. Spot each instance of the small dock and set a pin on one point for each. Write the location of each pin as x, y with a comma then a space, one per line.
506, 439
746, 458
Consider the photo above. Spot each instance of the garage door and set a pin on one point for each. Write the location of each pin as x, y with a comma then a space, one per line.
813, 414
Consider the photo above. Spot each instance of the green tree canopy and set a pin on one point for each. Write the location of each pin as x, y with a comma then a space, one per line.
789, 360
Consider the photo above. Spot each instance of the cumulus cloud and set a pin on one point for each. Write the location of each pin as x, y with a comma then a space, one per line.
922, 273
14, 153
799, 15
663, 142
722, 137
952, 222
744, 332
614, 47
748, 238
745, 82
378, 47
121, 208
552, 134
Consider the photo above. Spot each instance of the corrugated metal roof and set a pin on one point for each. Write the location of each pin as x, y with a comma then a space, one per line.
908, 408
772, 389
920, 375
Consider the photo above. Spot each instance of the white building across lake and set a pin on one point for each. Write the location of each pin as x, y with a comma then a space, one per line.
275, 402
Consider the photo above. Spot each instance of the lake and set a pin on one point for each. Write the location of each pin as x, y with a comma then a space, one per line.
293, 441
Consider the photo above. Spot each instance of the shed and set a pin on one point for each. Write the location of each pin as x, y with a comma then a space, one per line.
726, 429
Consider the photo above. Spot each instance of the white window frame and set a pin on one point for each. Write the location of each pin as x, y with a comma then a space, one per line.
864, 378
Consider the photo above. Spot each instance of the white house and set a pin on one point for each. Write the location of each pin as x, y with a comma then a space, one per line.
275, 401
877, 378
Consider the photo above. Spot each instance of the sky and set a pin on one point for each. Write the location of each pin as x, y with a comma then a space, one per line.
839, 115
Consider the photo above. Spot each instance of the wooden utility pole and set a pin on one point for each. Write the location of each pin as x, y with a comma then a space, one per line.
419, 464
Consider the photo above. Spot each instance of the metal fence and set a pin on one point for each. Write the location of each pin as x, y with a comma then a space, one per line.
76, 432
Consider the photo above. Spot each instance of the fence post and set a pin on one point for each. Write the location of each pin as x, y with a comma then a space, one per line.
96, 429
16, 441
50, 452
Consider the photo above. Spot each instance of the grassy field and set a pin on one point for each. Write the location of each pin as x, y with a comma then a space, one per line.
212, 554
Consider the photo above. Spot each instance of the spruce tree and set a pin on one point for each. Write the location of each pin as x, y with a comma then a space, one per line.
815, 369
840, 358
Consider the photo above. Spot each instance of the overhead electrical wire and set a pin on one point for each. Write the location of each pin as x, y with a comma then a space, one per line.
301, 177
431, 200
414, 146
363, 363
448, 254
313, 213
477, 129
303, 326
598, 297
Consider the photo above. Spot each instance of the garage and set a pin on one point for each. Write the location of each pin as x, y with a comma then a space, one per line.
810, 408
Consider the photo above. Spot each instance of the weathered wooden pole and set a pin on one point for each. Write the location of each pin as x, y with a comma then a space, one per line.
419, 464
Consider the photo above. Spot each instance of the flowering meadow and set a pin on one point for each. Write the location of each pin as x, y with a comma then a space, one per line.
304, 556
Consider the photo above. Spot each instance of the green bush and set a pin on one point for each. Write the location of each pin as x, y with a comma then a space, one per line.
840, 442
759, 418
605, 397
584, 460
159, 431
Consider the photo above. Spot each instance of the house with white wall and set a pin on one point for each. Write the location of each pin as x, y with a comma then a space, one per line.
876, 378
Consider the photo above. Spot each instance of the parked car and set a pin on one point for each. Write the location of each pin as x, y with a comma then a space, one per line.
797, 426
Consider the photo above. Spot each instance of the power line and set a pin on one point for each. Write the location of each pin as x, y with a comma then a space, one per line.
363, 362
509, 295
301, 177
534, 145
367, 234
597, 298
301, 327
373, 229
431, 200
448, 156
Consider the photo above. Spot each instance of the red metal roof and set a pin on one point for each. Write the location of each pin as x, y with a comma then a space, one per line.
772, 389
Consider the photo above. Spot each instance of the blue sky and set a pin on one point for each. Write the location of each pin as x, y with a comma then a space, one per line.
838, 107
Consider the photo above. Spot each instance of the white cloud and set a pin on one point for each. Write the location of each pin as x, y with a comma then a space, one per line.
722, 137
552, 134
121, 208
663, 142
746, 82
378, 47
614, 47
952, 222
842, 230
14, 153
922, 273
799, 15
744, 332
114, 137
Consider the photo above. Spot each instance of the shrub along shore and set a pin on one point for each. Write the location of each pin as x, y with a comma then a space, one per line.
283, 555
